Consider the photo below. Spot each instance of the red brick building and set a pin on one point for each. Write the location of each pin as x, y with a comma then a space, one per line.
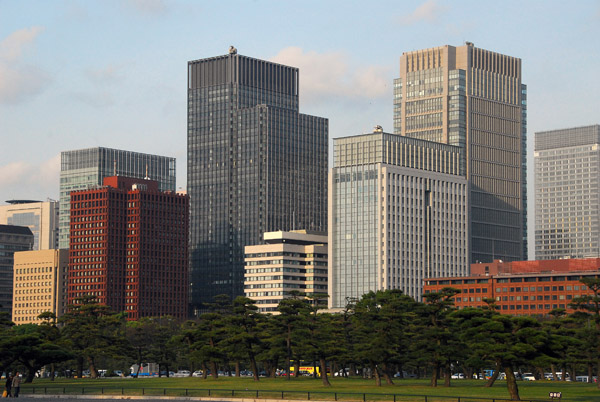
129, 248
521, 287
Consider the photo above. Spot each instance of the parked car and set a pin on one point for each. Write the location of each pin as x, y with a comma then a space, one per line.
197, 373
458, 376
528, 377
182, 373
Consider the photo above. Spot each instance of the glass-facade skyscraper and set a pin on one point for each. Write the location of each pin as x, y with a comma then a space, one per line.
255, 165
83, 168
567, 193
474, 98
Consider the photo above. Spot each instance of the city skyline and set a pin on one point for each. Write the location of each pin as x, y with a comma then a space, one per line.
80, 74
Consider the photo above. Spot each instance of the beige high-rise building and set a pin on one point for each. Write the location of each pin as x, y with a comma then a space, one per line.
39, 216
288, 261
474, 98
40, 282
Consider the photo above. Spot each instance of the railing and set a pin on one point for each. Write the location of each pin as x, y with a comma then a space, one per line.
257, 394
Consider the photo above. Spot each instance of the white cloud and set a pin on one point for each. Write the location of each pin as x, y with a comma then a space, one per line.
428, 12
330, 75
19, 80
22, 179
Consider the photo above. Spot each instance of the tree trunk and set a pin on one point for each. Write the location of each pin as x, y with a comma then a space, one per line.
237, 368
323, 365
598, 373
511, 384
386, 374
553, 369
204, 370
590, 371
494, 376
447, 375
93, 371
30, 375
254, 367
564, 372
376, 373
213, 370
435, 374
540, 371
52, 371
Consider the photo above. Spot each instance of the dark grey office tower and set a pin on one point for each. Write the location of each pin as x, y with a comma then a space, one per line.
255, 165
12, 239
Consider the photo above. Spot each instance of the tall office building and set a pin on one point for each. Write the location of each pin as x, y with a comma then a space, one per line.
255, 165
40, 284
129, 248
12, 239
567, 193
39, 216
397, 214
473, 98
83, 168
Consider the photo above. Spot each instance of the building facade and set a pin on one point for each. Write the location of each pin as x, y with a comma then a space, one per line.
40, 285
82, 168
39, 216
567, 193
286, 262
397, 214
129, 248
521, 287
474, 99
12, 239
255, 165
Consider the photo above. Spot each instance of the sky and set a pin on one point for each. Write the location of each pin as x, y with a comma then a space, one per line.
85, 73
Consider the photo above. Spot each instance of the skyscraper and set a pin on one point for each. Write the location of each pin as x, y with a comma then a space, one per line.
397, 215
129, 248
474, 99
255, 165
12, 239
39, 216
567, 193
83, 168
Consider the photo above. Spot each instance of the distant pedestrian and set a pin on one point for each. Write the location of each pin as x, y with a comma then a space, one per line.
8, 385
16, 384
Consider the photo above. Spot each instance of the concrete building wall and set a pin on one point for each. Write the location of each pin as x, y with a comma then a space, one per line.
289, 261
40, 284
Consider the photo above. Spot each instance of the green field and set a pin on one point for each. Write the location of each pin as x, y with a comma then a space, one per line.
342, 388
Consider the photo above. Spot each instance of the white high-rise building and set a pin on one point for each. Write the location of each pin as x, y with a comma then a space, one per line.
567, 193
398, 214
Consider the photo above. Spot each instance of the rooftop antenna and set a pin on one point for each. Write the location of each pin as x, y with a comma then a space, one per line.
114, 167
146, 178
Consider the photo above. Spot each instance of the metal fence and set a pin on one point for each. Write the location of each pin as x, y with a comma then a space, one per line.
257, 394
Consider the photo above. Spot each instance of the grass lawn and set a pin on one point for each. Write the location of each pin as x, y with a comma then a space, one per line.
298, 388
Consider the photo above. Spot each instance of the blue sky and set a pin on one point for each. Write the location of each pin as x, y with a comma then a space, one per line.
78, 74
